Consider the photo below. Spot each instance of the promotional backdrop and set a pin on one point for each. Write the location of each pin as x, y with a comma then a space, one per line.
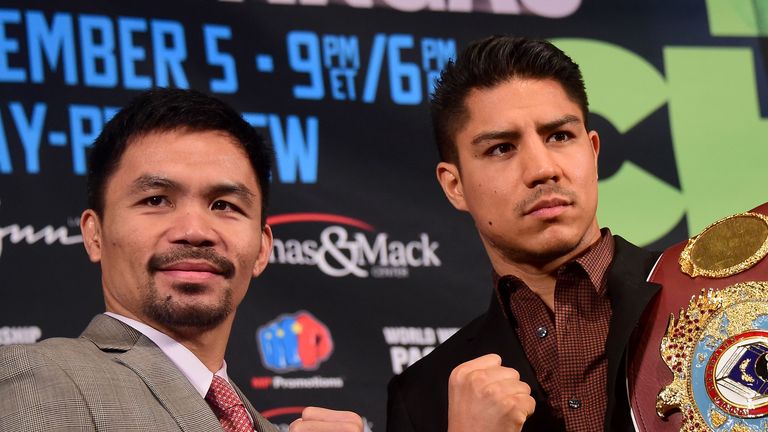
371, 266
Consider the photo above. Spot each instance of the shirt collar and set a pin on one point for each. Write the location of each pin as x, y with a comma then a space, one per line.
184, 359
594, 261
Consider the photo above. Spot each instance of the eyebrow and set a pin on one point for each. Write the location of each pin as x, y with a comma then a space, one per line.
513, 134
148, 182
557, 124
237, 189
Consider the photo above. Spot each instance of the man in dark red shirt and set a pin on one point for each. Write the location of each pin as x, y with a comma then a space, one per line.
510, 120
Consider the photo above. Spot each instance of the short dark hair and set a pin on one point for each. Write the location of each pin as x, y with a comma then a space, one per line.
165, 110
488, 62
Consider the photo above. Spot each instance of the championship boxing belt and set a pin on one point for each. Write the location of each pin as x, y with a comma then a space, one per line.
698, 360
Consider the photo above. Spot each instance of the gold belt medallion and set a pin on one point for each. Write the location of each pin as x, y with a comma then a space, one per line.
727, 247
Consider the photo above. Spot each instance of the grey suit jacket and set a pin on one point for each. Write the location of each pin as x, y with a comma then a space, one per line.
111, 378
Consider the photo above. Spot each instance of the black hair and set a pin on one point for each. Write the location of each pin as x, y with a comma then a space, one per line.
491, 61
165, 110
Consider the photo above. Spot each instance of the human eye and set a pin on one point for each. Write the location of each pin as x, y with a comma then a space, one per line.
499, 149
561, 136
221, 205
156, 201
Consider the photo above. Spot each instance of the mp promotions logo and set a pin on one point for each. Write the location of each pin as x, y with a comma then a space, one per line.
350, 246
292, 342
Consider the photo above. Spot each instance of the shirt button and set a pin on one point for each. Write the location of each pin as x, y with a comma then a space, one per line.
541, 332
574, 404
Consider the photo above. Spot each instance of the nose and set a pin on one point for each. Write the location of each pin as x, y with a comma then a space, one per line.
540, 165
193, 226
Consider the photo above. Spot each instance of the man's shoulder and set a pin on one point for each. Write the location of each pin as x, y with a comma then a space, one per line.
54, 350
50, 357
627, 253
40, 376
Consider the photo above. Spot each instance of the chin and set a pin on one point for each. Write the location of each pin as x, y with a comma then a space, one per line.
171, 314
185, 306
545, 250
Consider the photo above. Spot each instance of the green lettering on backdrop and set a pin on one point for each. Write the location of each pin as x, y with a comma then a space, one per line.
716, 133
633, 202
738, 17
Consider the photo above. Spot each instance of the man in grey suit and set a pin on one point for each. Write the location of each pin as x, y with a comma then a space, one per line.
178, 184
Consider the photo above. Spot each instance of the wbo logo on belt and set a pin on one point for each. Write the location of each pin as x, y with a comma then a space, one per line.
707, 369
717, 352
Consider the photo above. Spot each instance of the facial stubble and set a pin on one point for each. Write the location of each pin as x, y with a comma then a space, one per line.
170, 310
559, 247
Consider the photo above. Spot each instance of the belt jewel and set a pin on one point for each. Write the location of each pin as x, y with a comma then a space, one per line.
717, 351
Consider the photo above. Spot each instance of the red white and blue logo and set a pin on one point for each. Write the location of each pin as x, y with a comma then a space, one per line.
297, 341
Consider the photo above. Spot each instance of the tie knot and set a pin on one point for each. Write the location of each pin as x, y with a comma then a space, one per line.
221, 396
228, 407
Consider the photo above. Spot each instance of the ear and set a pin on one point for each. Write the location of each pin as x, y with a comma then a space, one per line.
594, 138
90, 227
449, 177
264, 252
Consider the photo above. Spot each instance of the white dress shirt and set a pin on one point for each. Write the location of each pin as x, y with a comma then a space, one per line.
187, 362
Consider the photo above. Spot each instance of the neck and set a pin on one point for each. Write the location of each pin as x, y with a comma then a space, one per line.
539, 276
208, 346
540, 280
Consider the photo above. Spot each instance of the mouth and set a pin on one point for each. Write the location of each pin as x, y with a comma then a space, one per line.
191, 271
548, 208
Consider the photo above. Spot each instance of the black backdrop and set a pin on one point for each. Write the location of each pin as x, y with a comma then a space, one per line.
369, 255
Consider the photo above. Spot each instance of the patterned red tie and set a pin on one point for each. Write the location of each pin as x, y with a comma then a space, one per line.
228, 407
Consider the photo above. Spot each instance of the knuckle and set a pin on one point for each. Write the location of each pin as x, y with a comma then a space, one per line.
520, 418
478, 382
478, 376
490, 391
508, 405
354, 420
532, 403
456, 374
306, 412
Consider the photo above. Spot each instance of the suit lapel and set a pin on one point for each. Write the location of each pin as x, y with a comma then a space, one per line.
260, 423
497, 335
171, 388
629, 293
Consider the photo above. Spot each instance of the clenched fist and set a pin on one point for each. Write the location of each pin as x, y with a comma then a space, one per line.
485, 396
314, 419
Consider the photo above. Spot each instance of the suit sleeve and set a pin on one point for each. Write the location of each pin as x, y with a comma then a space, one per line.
38, 395
398, 419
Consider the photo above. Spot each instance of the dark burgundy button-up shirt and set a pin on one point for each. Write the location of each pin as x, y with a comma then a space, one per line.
566, 347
